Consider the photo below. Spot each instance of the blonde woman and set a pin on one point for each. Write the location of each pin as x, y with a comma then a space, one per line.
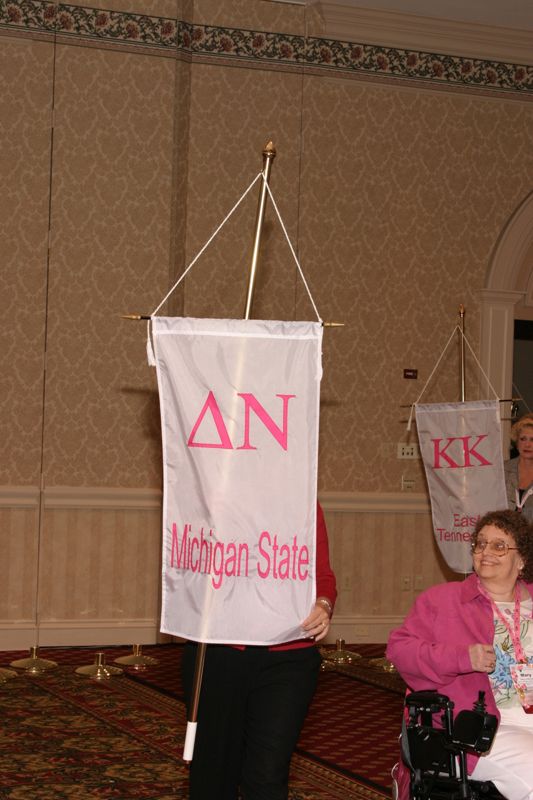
519, 471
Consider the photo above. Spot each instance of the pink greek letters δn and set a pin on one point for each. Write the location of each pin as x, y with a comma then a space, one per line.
251, 403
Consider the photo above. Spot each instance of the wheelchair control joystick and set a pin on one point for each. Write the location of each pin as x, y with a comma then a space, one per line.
480, 704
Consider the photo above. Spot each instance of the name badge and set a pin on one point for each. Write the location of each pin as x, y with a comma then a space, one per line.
522, 675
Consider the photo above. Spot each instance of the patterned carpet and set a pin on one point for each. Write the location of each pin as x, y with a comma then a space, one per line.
66, 736
354, 726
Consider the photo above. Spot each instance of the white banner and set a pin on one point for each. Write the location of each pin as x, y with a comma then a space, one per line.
239, 413
460, 445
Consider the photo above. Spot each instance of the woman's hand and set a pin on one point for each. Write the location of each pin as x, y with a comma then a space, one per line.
482, 657
317, 623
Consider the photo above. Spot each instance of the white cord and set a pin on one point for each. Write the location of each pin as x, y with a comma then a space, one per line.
206, 245
292, 250
457, 328
409, 422
480, 367
149, 347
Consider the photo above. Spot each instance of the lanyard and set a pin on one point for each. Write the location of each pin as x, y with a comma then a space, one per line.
514, 631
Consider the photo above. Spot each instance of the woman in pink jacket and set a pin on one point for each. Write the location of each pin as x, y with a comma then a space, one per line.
465, 636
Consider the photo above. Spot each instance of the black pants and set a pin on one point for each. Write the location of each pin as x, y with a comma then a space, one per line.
252, 707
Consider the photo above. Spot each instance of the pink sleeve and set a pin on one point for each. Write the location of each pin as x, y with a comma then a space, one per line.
414, 650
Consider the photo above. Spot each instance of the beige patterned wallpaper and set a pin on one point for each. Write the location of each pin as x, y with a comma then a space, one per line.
414, 188
394, 197
111, 232
27, 75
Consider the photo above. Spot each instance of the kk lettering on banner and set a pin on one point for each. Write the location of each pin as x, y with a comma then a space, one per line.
460, 445
239, 414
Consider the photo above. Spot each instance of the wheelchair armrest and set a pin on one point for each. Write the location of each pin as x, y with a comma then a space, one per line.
474, 730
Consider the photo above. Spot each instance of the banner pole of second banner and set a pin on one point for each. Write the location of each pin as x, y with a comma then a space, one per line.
269, 153
463, 354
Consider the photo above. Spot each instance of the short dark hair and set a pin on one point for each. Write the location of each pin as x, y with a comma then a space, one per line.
515, 525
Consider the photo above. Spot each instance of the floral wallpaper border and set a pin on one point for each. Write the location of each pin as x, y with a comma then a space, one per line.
174, 36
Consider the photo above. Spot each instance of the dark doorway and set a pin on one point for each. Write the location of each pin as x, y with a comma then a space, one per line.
523, 365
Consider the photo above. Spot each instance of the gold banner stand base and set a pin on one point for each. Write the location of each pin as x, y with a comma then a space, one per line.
34, 665
338, 656
6, 675
99, 671
137, 660
383, 664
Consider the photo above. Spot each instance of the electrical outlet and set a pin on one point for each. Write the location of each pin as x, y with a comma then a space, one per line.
407, 450
406, 583
408, 484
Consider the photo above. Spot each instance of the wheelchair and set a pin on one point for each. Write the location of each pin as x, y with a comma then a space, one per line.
436, 756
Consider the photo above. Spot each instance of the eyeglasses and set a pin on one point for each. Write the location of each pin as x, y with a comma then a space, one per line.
496, 546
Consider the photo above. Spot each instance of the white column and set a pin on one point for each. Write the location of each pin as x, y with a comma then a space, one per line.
497, 333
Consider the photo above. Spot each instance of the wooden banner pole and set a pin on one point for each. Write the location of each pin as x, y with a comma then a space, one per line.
463, 353
269, 153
